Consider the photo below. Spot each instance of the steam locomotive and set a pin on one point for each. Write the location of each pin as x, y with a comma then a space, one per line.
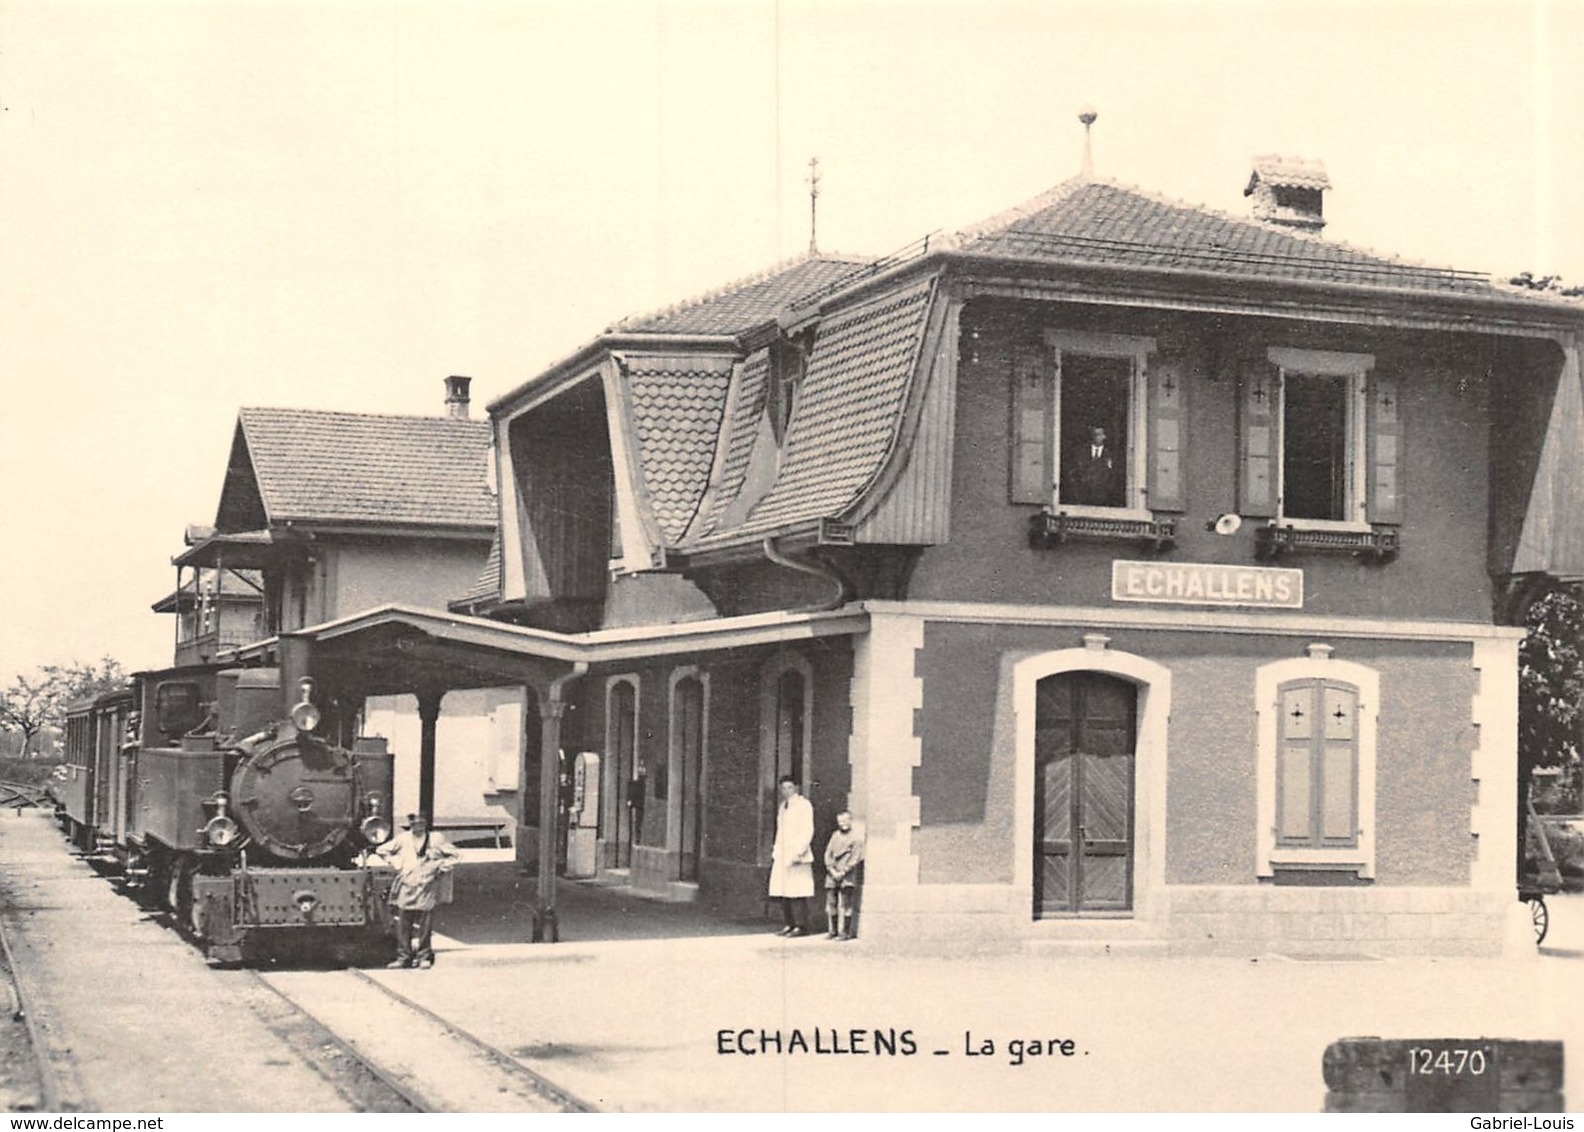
213, 790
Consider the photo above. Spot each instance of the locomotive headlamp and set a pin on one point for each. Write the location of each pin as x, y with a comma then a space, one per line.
375, 829
221, 831
305, 716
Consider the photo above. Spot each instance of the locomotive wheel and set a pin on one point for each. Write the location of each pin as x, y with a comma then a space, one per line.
1540, 917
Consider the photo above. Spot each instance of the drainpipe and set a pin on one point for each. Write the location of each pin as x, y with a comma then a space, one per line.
546, 928
836, 600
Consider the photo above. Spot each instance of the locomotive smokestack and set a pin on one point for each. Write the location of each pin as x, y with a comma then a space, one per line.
457, 397
296, 655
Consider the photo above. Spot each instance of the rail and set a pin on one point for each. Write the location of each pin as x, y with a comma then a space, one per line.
22, 796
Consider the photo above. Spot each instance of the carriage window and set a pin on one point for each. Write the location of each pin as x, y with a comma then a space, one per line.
177, 708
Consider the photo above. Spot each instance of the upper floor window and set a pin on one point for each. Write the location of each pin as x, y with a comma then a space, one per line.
1319, 440
1094, 430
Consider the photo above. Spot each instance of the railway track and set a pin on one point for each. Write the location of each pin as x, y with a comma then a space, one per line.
431, 1064
17, 999
108, 994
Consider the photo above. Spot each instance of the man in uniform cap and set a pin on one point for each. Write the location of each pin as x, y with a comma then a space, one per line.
420, 856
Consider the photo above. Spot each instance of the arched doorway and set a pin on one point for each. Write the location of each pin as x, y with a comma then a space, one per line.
1085, 744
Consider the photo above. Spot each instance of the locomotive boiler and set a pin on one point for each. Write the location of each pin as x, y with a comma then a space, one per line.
221, 797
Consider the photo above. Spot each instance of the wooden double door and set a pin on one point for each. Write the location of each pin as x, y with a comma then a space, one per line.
1085, 731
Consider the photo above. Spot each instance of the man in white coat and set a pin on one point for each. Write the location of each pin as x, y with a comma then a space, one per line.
792, 859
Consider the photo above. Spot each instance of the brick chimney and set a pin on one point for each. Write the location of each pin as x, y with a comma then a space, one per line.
457, 397
1289, 191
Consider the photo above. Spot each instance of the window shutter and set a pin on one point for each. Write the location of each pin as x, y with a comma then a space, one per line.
1033, 401
1384, 433
1168, 419
1257, 452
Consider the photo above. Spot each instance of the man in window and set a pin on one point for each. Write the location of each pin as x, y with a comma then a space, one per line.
1092, 473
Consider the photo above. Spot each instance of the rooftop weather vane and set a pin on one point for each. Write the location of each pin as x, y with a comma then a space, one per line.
813, 184
1087, 116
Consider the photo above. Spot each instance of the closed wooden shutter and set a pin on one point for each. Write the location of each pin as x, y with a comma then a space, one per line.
1384, 435
1257, 440
1033, 404
1317, 765
1168, 420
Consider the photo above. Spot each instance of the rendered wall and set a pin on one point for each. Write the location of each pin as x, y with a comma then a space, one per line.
427, 573
1424, 795
477, 744
1440, 572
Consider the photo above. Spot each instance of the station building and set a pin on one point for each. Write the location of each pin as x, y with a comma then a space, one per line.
1138, 575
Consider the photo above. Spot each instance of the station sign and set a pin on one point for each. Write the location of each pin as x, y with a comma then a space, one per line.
1206, 583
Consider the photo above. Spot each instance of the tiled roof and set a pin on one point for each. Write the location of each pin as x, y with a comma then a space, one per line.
1292, 172
1104, 223
328, 467
247, 585
487, 586
848, 411
746, 303
676, 405
747, 405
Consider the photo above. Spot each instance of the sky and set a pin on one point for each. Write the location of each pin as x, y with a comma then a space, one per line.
335, 204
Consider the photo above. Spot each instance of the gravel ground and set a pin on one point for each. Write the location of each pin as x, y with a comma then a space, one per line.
134, 1020
19, 1074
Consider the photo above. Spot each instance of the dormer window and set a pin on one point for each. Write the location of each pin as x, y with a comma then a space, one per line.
788, 363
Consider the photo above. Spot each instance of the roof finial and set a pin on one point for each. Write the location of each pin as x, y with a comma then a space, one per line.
813, 184
1087, 116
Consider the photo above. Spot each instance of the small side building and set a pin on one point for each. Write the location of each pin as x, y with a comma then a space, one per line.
323, 514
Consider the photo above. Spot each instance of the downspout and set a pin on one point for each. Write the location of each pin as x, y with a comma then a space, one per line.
836, 601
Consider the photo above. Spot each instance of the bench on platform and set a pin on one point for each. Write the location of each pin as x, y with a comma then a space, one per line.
491, 825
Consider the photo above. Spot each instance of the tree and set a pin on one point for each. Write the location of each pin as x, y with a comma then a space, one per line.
32, 703
1551, 681
79, 681
1551, 283
29, 705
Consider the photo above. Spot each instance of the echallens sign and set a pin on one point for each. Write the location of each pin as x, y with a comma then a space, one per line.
1203, 583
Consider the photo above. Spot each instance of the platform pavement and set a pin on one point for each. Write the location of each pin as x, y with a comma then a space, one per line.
627, 1012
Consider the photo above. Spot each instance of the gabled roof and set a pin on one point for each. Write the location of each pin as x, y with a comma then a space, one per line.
1100, 222
746, 303
318, 467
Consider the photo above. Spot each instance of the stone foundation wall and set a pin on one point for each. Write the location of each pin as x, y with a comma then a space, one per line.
1375, 922
1245, 920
